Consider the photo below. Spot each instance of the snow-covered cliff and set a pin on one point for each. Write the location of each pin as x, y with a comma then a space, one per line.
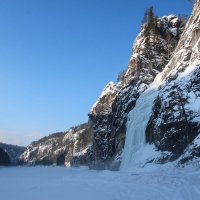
108, 117
167, 114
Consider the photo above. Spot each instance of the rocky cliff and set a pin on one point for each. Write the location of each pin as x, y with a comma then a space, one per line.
164, 124
99, 123
174, 124
151, 52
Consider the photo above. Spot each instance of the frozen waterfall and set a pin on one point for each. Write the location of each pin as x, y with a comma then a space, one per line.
136, 152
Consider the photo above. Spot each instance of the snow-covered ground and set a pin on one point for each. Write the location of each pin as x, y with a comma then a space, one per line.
54, 183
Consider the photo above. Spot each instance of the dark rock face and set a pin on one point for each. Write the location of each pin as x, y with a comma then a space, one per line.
98, 118
60, 160
173, 124
150, 55
4, 158
60, 148
191, 153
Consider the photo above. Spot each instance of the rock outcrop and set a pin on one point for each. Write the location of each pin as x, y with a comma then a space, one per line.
98, 120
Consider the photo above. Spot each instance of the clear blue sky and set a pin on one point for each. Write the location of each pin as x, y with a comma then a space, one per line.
57, 55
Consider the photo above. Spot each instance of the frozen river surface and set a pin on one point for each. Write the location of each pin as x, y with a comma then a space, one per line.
56, 183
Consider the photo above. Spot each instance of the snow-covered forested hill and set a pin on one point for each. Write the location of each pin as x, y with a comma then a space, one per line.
4, 158
13, 152
62, 148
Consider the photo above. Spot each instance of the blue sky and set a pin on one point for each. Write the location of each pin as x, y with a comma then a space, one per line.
57, 55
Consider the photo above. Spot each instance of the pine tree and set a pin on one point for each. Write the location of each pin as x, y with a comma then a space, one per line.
150, 22
191, 1
121, 76
145, 18
151, 17
151, 30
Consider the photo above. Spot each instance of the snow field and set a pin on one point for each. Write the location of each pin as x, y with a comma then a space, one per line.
54, 183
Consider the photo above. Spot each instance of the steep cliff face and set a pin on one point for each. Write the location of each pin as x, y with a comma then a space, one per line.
151, 52
174, 125
98, 120
65, 148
